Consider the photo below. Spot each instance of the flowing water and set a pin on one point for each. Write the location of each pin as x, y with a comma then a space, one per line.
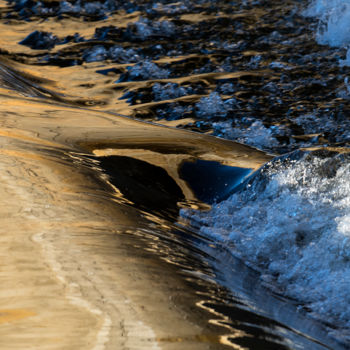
121, 233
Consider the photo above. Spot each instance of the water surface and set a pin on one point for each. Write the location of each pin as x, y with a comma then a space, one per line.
97, 194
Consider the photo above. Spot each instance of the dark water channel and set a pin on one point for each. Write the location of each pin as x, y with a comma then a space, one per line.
247, 71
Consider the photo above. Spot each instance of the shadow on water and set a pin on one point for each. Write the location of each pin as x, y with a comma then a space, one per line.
147, 186
151, 189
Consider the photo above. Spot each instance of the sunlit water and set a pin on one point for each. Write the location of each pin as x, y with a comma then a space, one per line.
267, 266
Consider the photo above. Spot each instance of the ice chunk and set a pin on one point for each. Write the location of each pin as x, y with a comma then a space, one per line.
256, 134
145, 29
40, 40
167, 91
97, 53
117, 53
147, 70
211, 107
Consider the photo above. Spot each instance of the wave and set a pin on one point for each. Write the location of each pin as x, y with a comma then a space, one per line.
334, 19
292, 222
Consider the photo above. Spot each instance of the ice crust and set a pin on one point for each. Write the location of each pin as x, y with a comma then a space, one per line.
256, 134
147, 70
334, 19
168, 91
145, 29
292, 222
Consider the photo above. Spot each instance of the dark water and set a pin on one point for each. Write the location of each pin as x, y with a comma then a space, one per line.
248, 71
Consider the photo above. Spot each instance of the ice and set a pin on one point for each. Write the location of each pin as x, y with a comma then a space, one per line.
167, 91
334, 19
212, 106
256, 134
118, 54
67, 7
93, 8
147, 70
171, 9
292, 222
38, 40
145, 29
97, 53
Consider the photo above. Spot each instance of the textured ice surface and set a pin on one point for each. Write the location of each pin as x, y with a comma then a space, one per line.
145, 29
168, 91
115, 53
118, 54
97, 9
147, 70
95, 54
40, 40
292, 222
172, 8
212, 106
256, 134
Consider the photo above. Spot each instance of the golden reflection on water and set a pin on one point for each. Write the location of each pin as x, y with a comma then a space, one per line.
71, 213
14, 315
76, 250
223, 321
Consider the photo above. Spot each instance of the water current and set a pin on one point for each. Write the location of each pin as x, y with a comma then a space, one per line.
174, 174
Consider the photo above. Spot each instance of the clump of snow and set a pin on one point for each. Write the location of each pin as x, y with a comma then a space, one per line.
147, 70
213, 106
312, 124
345, 62
174, 112
69, 8
226, 88
119, 54
256, 134
93, 8
145, 29
95, 54
292, 222
319, 124
115, 53
171, 9
168, 91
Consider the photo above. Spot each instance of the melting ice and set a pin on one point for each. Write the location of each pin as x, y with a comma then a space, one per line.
292, 222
